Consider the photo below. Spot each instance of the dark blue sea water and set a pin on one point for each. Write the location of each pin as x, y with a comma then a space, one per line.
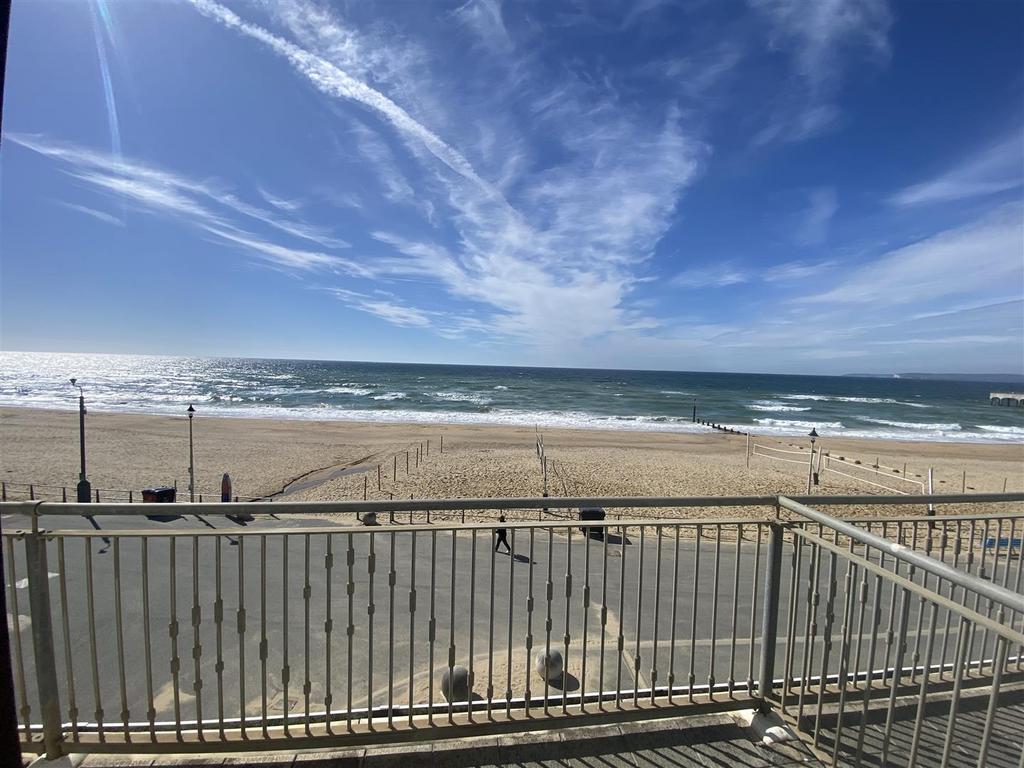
547, 397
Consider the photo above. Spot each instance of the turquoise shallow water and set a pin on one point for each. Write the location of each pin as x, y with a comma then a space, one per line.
552, 397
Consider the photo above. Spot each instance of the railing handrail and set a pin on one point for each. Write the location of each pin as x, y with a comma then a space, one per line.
549, 502
910, 556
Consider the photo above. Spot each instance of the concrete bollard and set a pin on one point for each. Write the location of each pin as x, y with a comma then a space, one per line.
455, 686
550, 666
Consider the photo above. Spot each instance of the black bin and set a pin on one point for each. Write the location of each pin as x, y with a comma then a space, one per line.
161, 495
592, 513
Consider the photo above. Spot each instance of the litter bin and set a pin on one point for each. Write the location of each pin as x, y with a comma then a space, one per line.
592, 513
161, 495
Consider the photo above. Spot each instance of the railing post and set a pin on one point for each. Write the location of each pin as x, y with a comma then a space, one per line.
42, 643
770, 614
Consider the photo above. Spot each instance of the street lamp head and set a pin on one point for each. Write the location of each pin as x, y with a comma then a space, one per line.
813, 434
73, 380
191, 411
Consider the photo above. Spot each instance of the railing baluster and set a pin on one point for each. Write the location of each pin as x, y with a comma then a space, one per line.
826, 643
197, 648
490, 633
849, 606
735, 609
897, 675
218, 621
876, 616
412, 624
993, 703
371, 609
692, 677
639, 609
472, 615
959, 660
350, 630
25, 710
925, 678
392, 577
568, 607
286, 670
549, 588
511, 603
675, 601
69, 671
714, 611
810, 627
329, 630
119, 639
263, 634
529, 627
172, 631
753, 607
240, 628
787, 673
307, 592
431, 630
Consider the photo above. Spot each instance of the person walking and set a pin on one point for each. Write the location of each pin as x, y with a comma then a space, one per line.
502, 536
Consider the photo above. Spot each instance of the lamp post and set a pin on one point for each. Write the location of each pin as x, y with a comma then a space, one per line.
84, 488
191, 458
810, 464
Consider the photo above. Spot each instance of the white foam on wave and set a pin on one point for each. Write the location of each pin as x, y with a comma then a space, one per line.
796, 424
770, 405
914, 425
1009, 431
500, 386
460, 397
674, 392
390, 396
851, 399
348, 390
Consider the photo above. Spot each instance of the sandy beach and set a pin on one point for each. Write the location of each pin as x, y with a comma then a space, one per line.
304, 460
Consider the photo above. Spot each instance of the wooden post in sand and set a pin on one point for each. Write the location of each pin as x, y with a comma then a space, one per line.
748, 450
441, 446
395, 471
428, 446
963, 484
1004, 485
365, 483
378, 477
931, 485
406, 462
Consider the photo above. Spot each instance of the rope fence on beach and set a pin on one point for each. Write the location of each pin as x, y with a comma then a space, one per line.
12, 490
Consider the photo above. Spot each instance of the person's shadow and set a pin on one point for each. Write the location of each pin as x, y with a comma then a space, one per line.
613, 538
517, 557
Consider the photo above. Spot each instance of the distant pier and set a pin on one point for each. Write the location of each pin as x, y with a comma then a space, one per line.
1006, 398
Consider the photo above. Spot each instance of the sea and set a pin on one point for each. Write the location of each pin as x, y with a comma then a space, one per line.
654, 401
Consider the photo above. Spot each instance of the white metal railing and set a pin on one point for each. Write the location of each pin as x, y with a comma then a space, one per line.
292, 633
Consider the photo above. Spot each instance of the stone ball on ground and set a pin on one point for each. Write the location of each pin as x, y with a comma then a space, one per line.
549, 666
455, 683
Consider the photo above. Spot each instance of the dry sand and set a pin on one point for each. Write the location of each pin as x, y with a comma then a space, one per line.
265, 456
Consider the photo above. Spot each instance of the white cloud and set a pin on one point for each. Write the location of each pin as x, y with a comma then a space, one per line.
393, 311
199, 204
716, 276
821, 207
984, 255
98, 215
559, 261
483, 17
822, 37
796, 270
998, 168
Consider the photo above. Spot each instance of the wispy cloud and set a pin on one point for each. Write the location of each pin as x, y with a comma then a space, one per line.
822, 205
715, 276
386, 308
821, 38
998, 168
559, 258
199, 204
796, 270
984, 255
98, 215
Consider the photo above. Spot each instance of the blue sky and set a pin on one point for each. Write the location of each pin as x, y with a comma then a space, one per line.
772, 185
